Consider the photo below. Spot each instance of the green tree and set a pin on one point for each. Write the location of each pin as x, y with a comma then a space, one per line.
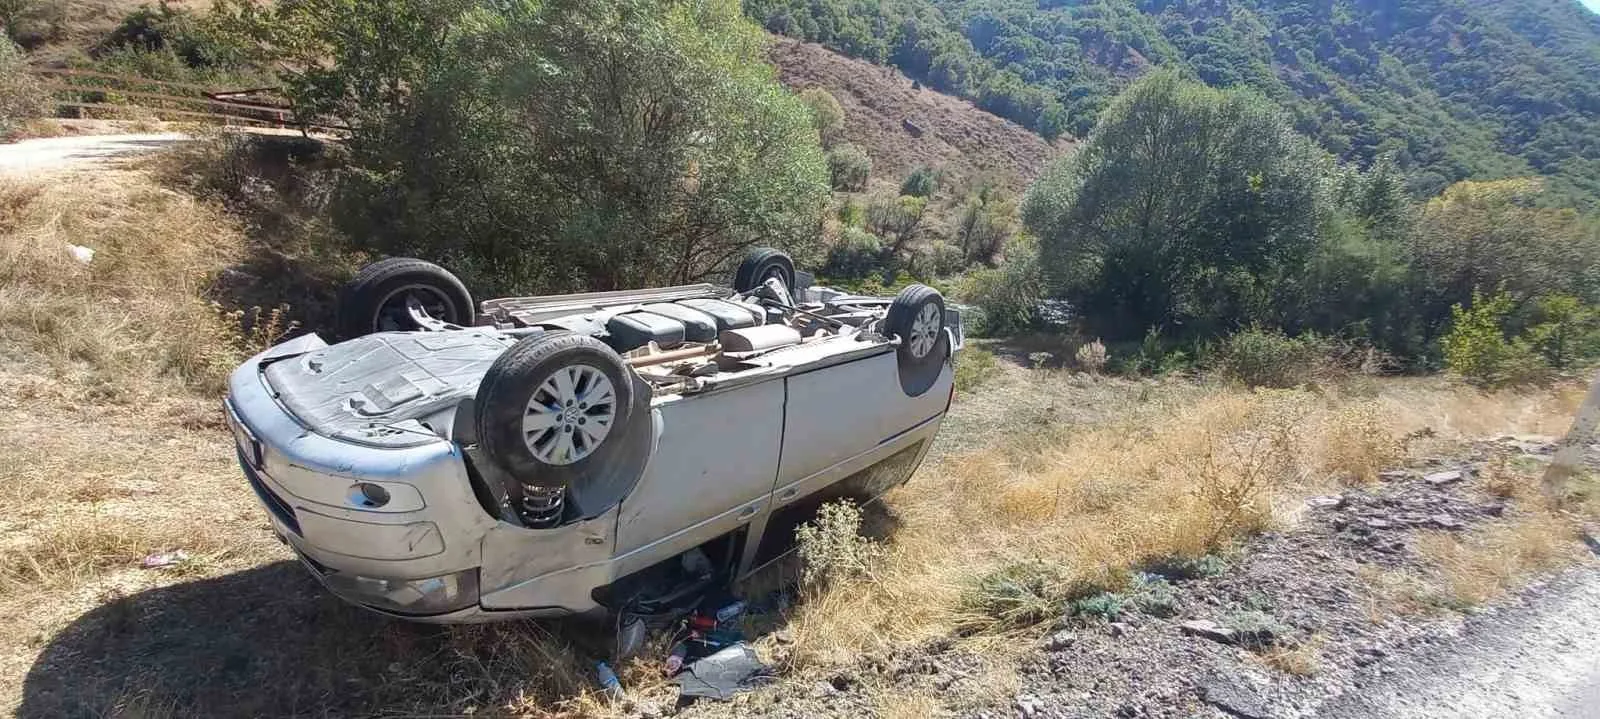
559, 145
1188, 207
921, 182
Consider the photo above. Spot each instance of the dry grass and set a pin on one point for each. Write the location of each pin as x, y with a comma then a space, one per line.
1301, 660
1182, 480
1468, 571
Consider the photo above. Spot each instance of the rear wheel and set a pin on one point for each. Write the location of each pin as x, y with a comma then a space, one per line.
380, 296
762, 264
549, 408
916, 317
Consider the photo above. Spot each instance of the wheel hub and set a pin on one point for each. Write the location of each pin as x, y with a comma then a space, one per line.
569, 415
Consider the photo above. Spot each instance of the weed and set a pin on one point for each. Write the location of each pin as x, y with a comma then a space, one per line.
1092, 356
1108, 606
1255, 629
1017, 594
1301, 660
832, 549
974, 366
1154, 595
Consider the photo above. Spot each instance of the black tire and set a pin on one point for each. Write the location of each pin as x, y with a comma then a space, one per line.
374, 300
760, 264
921, 356
509, 387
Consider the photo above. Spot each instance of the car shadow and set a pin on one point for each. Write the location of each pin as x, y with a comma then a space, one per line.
269, 641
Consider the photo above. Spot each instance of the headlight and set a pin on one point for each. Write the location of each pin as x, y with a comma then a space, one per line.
434, 595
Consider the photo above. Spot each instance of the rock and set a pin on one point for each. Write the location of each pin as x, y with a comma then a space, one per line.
1060, 640
1394, 475
1438, 479
1207, 629
1332, 501
823, 689
1027, 706
1591, 537
1445, 521
1229, 696
1369, 655
1375, 523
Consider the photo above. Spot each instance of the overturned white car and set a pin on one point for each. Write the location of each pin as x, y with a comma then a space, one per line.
545, 456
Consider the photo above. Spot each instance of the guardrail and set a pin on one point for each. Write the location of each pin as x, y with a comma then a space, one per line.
99, 92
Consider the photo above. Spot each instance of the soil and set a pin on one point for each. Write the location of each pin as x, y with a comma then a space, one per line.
1313, 583
950, 133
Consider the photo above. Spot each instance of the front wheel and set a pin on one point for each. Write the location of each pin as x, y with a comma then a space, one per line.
549, 409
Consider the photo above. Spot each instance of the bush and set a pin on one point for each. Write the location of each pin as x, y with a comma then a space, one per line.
937, 259
857, 254
848, 167
1476, 347
1092, 356
1260, 357
1017, 595
21, 95
1007, 297
831, 548
825, 112
920, 183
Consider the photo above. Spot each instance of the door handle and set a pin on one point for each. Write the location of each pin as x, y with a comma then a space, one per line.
749, 511
788, 494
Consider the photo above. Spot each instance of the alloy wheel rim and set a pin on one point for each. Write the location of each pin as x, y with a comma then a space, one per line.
569, 415
925, 330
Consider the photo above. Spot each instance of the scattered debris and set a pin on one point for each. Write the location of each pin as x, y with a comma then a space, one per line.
722, 675
610, 685
1447, 477
81, 253
1332, 501
160, 560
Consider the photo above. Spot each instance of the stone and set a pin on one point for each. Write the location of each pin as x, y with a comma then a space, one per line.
1027, 706
1375, 523
823, 689
1591, 537
1229, 696
1207, 629
1445, 521
1442, 478
1332, 501
1060, 640
1117, 629
1394, 475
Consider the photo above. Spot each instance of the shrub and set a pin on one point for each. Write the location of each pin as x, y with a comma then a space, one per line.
1018, 594
937, 259
21, 95
1092, 356
920, 183
825, 112
831, 548
1154, 595
1565, 330
848, 167
1261, 357
857, 254
1008, 297
1107, 606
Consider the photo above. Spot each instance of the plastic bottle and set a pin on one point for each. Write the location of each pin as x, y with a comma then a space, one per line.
610, 685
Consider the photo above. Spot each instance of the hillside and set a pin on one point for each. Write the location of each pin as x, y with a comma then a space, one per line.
955, 135
1454, 88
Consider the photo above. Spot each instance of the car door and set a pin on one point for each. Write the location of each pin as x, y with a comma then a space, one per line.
712, 469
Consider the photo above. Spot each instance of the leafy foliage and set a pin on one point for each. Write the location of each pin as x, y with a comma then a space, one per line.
21, 96
848, 168
1185, 209
557, 146
826, 112
1452, 89
920, 183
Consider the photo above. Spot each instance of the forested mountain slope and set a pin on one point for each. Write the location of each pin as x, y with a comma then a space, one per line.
1454, 88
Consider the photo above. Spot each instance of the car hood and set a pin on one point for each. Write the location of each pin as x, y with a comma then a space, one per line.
382, 389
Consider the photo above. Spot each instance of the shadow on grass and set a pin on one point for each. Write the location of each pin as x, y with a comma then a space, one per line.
270, 641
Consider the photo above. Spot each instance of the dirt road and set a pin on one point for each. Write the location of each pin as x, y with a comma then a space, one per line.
30, 156
1539, 657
